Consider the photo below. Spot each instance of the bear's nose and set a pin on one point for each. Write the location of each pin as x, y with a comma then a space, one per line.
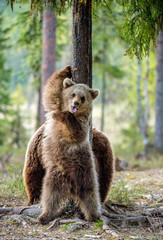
76, 103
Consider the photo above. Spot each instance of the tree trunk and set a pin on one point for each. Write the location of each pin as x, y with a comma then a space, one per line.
48, 49
103, 101
103, 97
139, 105
143, 118
139, 98
159, 96
146, 107
82, 41
38, 107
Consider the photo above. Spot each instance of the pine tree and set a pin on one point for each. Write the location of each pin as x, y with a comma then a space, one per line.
4, 83
4, 72
159, 96
31, 39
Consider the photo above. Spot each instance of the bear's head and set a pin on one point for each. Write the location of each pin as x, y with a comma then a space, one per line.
77, 98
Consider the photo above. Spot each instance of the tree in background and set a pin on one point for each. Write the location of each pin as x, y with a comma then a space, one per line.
146, 104
12, 131
143, 110
159, 96
4, 85
48, 48
30, 38
18, 130
105, 23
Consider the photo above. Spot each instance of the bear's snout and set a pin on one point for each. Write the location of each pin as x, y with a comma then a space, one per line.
76, 103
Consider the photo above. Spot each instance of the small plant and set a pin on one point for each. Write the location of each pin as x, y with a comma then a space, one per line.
98, 224
66, 226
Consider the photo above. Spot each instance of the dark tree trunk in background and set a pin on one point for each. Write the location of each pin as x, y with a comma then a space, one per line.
82, 41
159, 96
49, 49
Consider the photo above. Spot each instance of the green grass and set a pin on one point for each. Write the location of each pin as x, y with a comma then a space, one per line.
121, 193
11, 183
66, 226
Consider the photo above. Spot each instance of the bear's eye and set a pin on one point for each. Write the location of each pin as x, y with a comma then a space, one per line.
73, 95
82, 99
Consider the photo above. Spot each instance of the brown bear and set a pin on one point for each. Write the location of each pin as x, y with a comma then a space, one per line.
60, 162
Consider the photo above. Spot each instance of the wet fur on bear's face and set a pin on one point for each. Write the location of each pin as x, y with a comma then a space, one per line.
77, 98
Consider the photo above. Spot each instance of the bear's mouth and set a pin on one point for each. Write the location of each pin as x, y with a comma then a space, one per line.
74, 109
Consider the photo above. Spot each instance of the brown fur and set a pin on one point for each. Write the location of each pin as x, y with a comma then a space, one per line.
104, 162
33, 169
53, 88
66, 155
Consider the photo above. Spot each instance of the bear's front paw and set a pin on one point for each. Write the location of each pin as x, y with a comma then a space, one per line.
59, 116
65, 116
68, 71
44, 218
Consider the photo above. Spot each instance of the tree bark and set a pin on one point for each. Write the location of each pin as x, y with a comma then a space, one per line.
38, 107
49, 48
103, 94
103, 100
159, 96
146, 107
139, 98
82, 41
143, 115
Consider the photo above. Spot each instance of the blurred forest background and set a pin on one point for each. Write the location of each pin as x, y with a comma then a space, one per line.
126, 107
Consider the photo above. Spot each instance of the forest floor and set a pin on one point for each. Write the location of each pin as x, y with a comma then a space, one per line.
135, 194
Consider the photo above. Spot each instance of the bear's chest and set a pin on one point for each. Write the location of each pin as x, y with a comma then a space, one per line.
73, 156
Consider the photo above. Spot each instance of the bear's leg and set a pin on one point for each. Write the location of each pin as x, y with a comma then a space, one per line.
33, 183
104, 155
90, 205
33, 171
53, 193
87, 195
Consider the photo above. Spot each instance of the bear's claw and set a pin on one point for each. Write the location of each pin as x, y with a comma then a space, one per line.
69, 71
44, 219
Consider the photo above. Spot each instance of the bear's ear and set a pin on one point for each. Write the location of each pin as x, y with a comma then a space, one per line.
68, 83
94, 93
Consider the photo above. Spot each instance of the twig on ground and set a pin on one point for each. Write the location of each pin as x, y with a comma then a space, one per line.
110, 215
74, 220
154, 212
119, 205
135, 220
54, 223
109, 207
158, 225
